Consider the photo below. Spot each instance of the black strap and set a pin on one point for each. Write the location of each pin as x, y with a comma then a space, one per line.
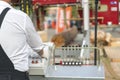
5, 63
3, 15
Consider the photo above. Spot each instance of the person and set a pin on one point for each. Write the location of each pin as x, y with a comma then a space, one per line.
17, 38
77, 23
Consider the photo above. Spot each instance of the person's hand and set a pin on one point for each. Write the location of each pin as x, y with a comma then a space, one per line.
41, 52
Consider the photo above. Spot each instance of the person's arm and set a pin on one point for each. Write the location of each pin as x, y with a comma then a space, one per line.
33, 38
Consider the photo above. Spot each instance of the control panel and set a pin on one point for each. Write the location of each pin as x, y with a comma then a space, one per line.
36, 64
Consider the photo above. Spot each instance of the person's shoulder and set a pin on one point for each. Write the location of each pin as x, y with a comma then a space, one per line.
18, 12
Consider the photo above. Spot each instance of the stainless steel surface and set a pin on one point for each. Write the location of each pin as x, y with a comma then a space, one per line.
75, 73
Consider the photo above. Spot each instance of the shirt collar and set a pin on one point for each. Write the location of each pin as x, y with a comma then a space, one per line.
5, 4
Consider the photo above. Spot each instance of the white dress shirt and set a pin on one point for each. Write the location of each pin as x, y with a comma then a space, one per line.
18, 36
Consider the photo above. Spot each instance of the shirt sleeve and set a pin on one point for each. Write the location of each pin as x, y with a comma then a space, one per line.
33, 39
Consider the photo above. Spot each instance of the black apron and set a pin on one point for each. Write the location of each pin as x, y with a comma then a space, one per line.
7, 71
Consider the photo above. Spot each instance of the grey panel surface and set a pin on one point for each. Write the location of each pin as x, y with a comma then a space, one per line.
75, 73
36, 71
38, 77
